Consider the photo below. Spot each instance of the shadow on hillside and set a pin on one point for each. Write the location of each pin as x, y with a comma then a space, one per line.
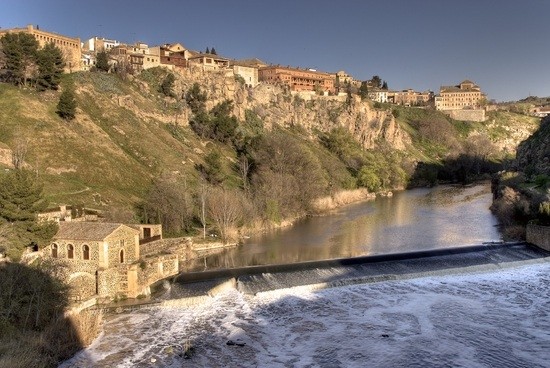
463, 169
33, 329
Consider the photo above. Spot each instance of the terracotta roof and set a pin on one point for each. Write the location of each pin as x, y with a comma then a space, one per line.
74, 230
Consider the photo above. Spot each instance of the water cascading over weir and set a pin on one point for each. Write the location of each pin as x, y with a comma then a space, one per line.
188, 289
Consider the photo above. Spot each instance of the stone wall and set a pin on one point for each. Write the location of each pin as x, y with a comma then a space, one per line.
147, 272
467, 115
539, 236
124, 239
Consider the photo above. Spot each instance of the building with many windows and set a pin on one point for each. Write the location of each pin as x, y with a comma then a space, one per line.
298, 79
70, 47
466, 95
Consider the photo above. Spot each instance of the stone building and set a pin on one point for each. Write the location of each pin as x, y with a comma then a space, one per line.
103, 260
247, 73
208, 62
298, 79
410, 97
466, 95
70, 47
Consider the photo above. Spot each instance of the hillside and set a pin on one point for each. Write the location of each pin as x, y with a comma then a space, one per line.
127, 135
533, 155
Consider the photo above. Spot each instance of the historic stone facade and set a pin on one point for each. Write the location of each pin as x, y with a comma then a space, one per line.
467, 95
247, 73
70, 47
103, 259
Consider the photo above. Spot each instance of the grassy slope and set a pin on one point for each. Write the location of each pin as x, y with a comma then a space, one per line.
107, 155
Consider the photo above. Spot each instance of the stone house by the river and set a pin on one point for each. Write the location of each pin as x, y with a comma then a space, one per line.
104, 260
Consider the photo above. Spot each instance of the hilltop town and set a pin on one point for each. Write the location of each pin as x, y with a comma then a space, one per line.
464, 101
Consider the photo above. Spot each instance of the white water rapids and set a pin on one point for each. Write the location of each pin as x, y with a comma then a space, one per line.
492, 319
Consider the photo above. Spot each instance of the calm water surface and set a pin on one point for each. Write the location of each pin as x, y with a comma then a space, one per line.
418, 219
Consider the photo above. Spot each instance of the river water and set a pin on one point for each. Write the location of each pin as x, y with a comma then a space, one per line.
494, 314
418, 219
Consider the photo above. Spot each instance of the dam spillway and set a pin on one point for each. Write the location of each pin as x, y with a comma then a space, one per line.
346, 271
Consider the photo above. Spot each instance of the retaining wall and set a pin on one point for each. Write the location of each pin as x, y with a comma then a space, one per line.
466, 115
539, 236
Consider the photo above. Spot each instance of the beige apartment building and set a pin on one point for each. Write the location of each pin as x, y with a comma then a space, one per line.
466, 95
70, 47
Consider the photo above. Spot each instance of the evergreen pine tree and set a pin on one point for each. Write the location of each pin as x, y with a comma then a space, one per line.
19, 51
20, 201
385, 85
364, 90
102, 61
207, 51
167, 85
66, 107
50, 67
213, 51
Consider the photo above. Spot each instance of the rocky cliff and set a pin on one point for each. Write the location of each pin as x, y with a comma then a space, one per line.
277, 106
533, 154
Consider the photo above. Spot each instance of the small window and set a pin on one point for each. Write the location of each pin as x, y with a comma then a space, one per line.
70, 251
85, 252
121, 256
54, 250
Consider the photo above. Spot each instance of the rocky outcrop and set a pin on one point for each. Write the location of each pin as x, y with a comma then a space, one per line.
533, 154
277, 106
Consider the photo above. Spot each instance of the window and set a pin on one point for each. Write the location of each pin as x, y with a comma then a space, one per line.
54, 250
121, 256
70, 251
85, 252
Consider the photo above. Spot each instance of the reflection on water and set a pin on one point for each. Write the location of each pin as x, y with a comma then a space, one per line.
418, 219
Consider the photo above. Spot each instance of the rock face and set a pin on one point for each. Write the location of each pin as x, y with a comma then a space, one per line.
278, 106
533, 154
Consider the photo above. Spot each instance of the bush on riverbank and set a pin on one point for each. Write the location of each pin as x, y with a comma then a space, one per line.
517, 202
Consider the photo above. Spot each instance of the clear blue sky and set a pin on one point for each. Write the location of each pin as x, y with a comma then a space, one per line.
503, 45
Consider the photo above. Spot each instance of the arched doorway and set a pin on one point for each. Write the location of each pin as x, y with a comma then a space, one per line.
54, 250
70, 251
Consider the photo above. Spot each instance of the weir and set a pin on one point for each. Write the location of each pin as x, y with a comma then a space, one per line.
254, 279
194, 288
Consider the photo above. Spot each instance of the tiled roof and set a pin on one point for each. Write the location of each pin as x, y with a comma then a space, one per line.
76, 230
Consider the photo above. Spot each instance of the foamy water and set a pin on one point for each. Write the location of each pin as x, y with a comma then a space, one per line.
495, 319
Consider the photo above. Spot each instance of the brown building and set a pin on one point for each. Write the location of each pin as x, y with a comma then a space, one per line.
466, 95
298, 79
70, 47
173, 55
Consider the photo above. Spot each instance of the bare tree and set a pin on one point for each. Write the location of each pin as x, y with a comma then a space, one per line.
19, 153
225, 209
244, 170
202, 199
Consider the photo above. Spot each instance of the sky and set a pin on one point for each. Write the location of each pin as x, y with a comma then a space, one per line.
503, 46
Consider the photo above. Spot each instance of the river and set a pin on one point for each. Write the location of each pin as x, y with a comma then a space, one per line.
417, 219
493, 314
